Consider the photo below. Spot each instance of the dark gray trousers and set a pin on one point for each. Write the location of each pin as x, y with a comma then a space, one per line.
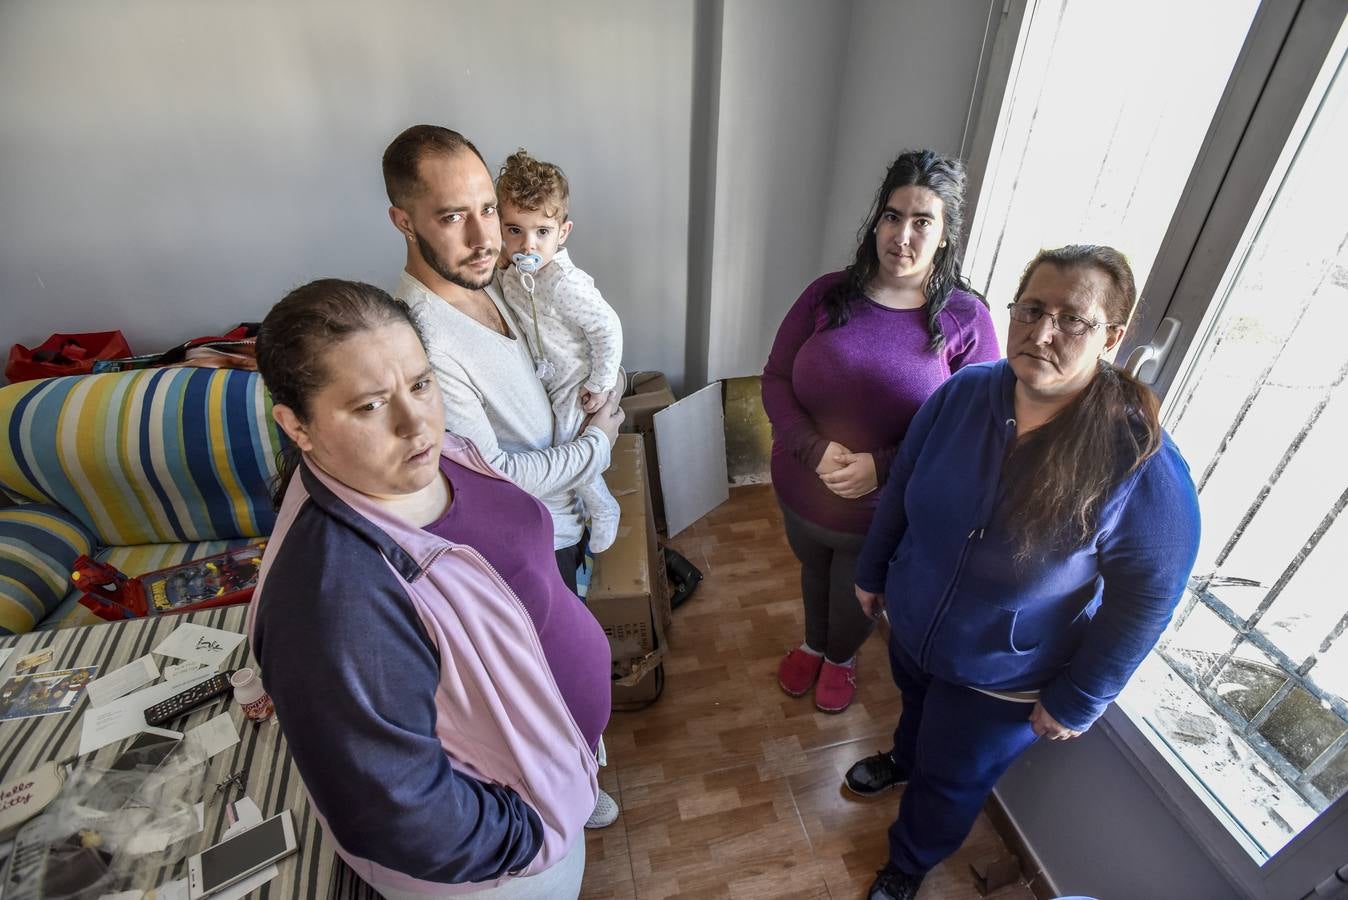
834, 622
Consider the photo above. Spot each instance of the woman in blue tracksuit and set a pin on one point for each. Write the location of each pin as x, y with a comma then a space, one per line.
1034, 537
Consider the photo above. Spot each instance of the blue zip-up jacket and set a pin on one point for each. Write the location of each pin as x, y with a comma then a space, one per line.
1075, 624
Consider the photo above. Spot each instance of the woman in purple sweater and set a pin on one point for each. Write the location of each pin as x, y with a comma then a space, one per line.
853, 360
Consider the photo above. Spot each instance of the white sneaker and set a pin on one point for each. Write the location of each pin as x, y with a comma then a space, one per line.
605, 811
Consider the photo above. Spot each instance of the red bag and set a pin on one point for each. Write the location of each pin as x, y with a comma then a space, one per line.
64, 354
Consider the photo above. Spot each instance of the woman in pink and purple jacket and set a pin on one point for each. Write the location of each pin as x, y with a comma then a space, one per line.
440, 689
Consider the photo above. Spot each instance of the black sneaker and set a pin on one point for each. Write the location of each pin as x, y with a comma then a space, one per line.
874, 775
891, 884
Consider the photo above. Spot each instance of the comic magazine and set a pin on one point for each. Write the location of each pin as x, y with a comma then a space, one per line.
44, 693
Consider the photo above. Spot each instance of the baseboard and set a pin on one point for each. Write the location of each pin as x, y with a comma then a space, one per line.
1038, 879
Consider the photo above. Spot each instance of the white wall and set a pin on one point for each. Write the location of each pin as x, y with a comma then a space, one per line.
781, 67
911, 73
172, 167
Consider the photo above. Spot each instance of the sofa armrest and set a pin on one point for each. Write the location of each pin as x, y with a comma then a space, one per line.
38, 547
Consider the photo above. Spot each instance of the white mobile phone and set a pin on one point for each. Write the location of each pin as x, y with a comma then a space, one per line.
238, 856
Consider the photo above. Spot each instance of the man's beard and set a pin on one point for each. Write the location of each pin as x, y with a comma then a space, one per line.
443, 269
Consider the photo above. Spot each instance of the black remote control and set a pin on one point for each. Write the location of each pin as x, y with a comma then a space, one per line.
183, 702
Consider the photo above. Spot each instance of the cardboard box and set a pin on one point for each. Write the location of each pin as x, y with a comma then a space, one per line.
647, 394
628, 593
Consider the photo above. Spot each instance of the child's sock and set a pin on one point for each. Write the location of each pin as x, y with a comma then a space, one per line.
604, 514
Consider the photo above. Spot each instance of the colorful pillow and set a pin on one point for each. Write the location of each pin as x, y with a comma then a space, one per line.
38, 546
145, 457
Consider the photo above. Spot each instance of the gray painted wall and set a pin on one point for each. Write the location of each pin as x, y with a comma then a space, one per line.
781, 67
815, 100
1099, 827
912, 69
172, 167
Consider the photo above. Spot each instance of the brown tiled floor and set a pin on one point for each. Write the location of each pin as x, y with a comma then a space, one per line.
730, 788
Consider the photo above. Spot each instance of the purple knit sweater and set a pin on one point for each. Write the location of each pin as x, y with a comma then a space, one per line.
859, 385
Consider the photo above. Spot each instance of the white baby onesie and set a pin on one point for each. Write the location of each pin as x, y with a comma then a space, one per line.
567, 323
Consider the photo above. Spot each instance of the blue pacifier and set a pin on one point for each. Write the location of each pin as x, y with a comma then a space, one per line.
528, 263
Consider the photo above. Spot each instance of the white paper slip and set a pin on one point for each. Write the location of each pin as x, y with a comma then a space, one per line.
180, 670
199, 643
246, 815
135, 674
5, 655
125, 716
212, 736
102, 725
162, 732
147, 839
173, 890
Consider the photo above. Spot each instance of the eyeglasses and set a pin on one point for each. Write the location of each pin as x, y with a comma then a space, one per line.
1067, 323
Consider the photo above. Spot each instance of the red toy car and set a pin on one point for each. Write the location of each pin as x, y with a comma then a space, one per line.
218, 580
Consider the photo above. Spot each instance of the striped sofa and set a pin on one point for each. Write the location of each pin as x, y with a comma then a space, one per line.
140, 469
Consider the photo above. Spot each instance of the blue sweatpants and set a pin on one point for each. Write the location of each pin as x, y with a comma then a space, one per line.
955, 743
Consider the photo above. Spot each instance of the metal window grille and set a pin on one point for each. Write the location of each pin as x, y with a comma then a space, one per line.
1204, 671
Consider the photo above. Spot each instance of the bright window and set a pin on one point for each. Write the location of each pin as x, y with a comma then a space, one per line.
1098, 137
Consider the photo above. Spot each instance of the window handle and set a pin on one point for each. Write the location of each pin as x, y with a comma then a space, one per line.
1145, 362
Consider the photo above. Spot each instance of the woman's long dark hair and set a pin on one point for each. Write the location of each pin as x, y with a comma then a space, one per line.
1059, 475
296, 335
944, 177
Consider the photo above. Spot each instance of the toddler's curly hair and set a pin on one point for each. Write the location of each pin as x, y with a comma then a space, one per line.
533, 185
